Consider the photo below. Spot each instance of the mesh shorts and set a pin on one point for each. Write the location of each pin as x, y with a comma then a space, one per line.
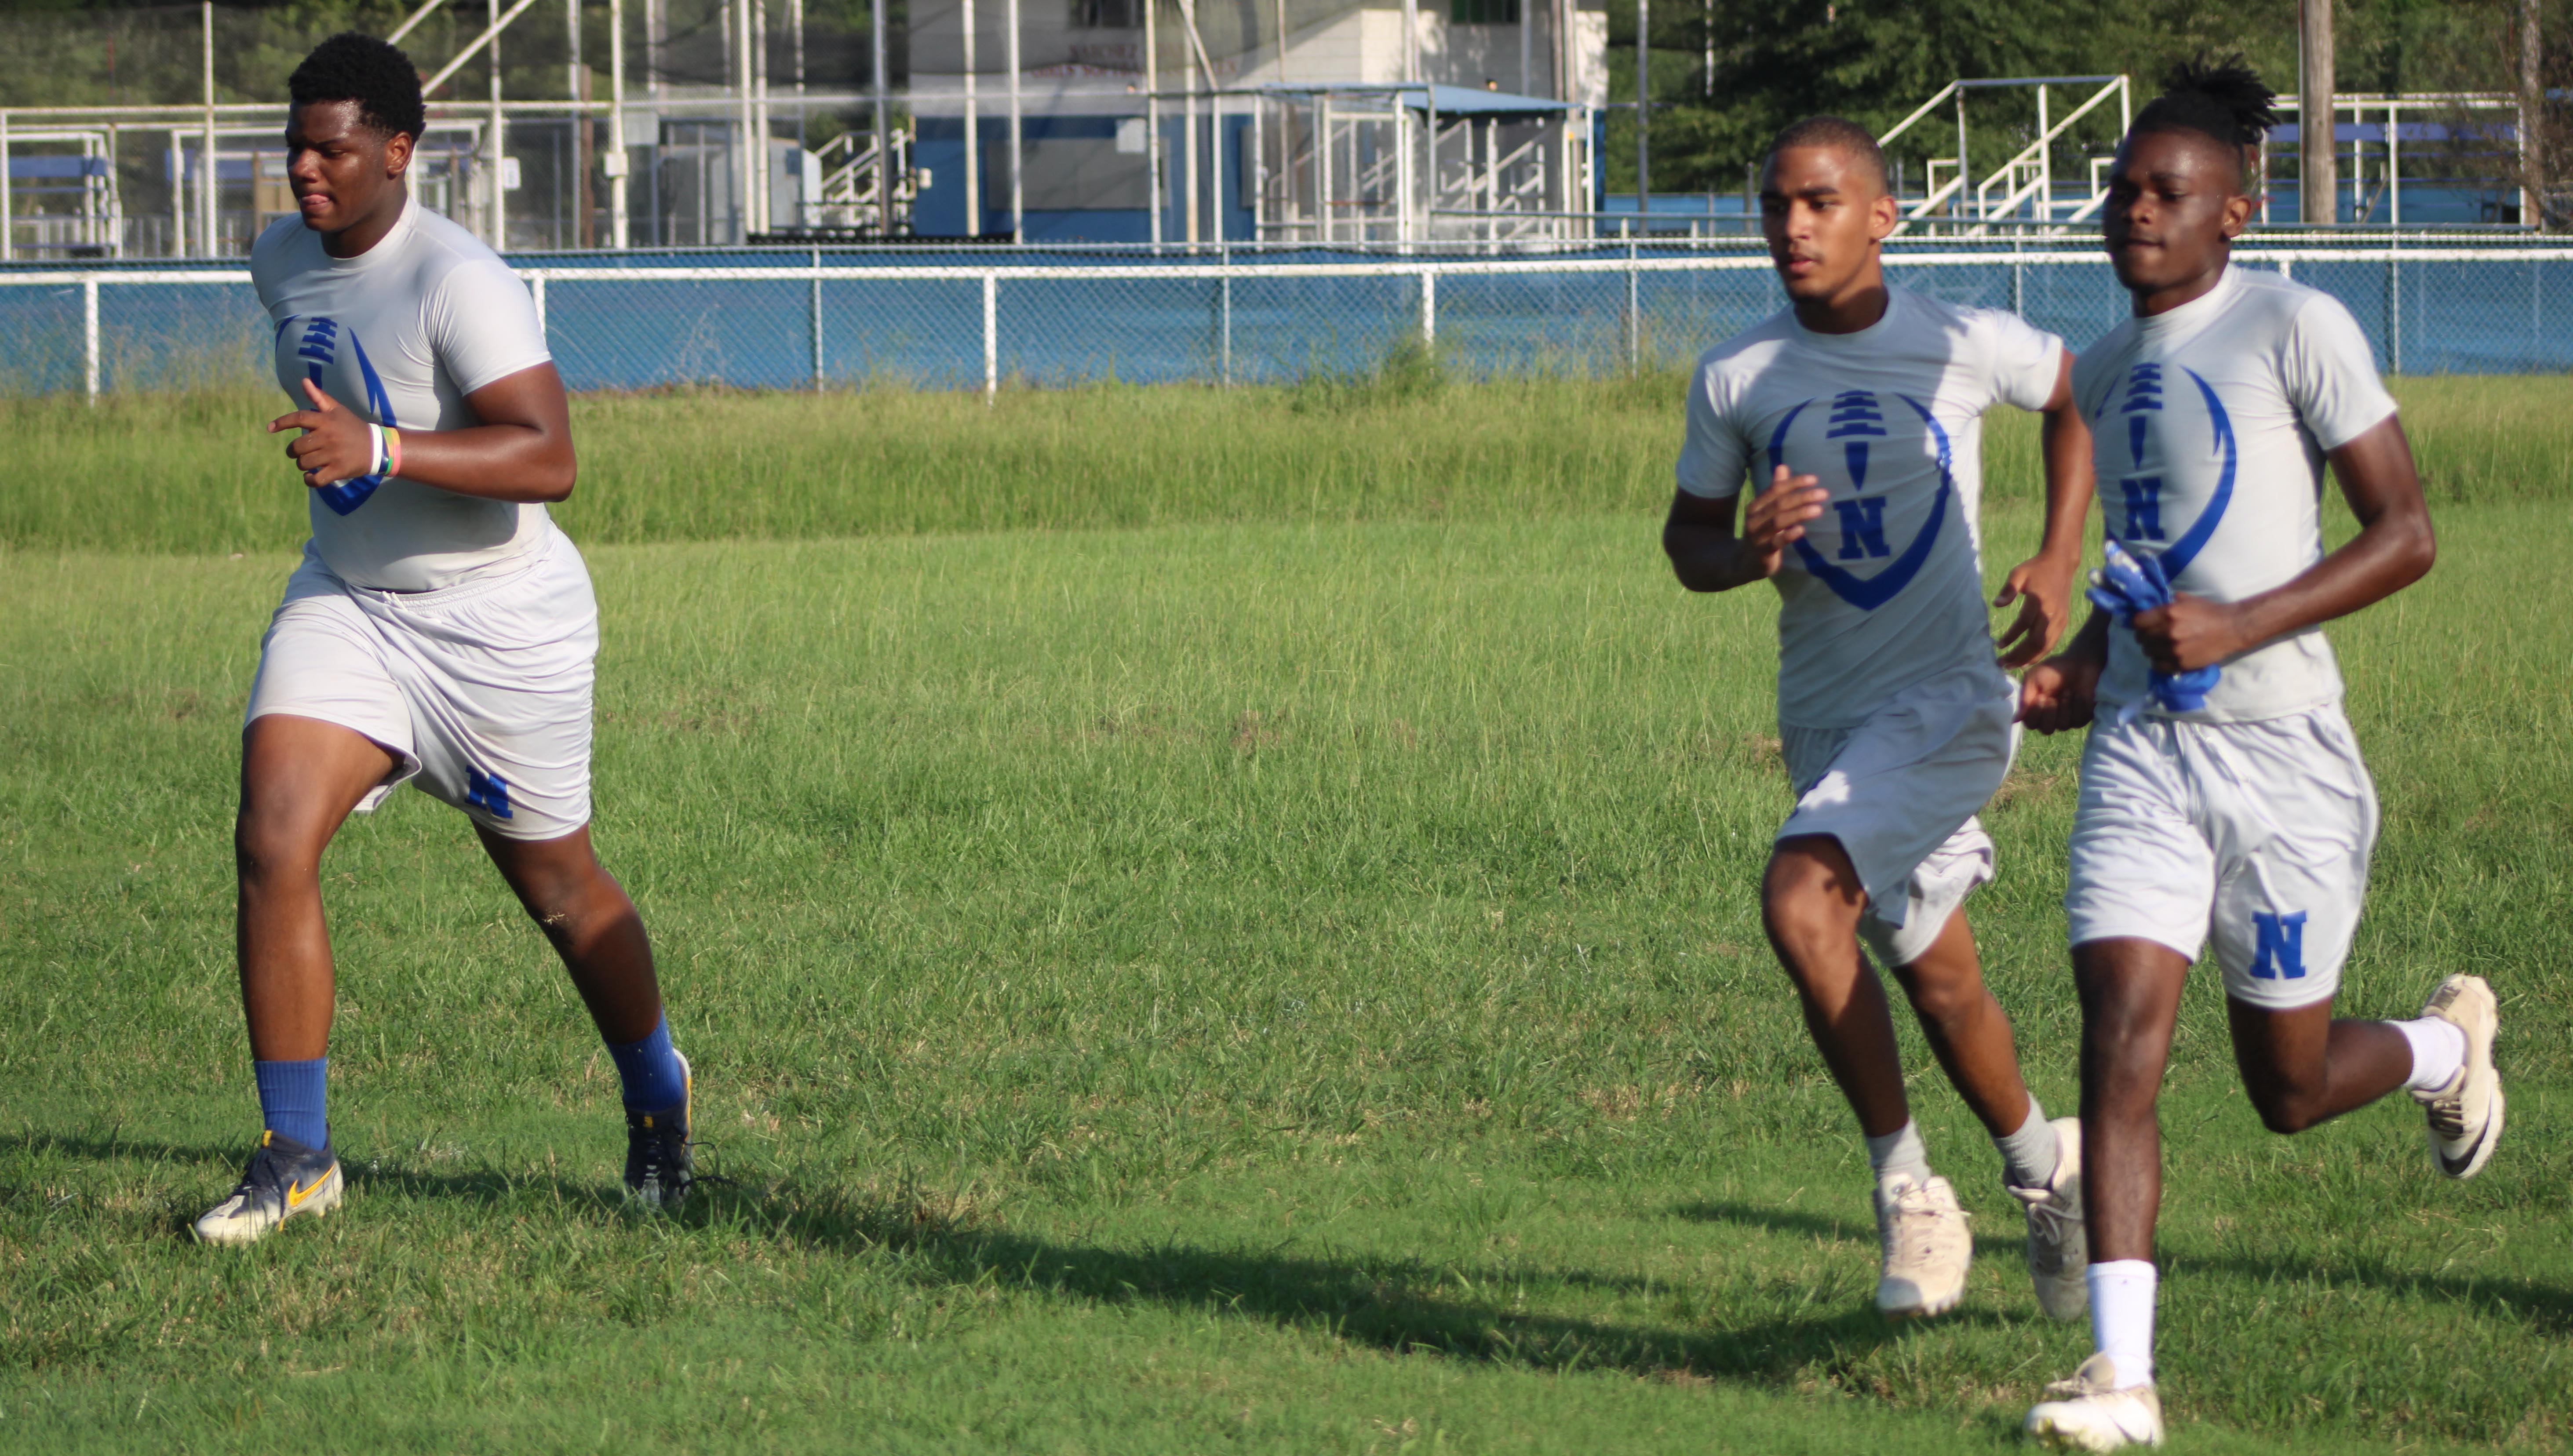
2257, 831
481, 691
1899, 792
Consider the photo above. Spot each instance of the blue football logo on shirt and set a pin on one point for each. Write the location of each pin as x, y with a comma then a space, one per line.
1857, 421
2153, 451
325, 352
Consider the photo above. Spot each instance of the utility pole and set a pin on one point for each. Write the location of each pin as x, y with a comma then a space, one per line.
2532, 122
973, 136
2317, 153
1643, 111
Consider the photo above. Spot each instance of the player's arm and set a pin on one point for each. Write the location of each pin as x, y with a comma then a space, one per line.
1707, 554
2043, 584
521, 450
2061, 693
2393, 548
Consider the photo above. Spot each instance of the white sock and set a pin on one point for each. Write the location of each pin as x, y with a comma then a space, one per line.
2029, 1154
2121, 1317
1900, 1151
2439, 1052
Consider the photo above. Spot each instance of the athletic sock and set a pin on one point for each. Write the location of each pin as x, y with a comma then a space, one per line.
2439, 1052
1900, 1151
293, 1100
2029, 1155
2121, 1317
650, 1071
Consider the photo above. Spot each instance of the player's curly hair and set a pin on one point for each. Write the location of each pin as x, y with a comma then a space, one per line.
360, 68
2222, 99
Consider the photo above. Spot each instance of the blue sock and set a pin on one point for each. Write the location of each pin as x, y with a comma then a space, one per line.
291, 1100
650, 1071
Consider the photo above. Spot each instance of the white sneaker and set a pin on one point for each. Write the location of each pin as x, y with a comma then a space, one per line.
2059, 1244
284, 1180
1927, 1247
2465, 1115
2089, 1412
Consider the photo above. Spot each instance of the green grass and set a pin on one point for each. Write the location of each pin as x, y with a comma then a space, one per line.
197, 474
1258, 975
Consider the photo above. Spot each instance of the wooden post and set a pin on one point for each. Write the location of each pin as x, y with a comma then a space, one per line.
2318, 158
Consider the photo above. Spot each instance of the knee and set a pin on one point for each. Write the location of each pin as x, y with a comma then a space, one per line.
1940, 998
2287, 1110
565, 905
269, 848
1806, 904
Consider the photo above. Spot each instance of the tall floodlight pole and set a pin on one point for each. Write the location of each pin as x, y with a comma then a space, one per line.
1018, 127
206, 156
972, 141
1643, 111
618, 224
500, 166
884, 137
2532, 117
2317, 150
1152, 114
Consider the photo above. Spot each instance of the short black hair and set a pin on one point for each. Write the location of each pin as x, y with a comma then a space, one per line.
1834, 131
2225, 100
360, 68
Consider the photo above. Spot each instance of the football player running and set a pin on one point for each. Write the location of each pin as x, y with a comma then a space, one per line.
1856, 411
2221, 790
439, 629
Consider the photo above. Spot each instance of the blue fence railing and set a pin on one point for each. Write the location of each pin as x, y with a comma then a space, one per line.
982, 319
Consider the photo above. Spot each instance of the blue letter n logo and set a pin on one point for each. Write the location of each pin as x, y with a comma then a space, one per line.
2281, 950
492, 796
1862, 528
2144, 508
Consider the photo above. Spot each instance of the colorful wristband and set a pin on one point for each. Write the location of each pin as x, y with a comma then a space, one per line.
393, 450
376, 442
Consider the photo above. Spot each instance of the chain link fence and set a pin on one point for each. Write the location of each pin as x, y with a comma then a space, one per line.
765, 320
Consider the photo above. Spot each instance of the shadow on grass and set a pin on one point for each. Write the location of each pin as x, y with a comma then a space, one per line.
1396, 1303
2548, 1307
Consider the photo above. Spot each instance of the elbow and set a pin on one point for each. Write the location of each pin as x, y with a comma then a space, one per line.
554, 483
2421, 549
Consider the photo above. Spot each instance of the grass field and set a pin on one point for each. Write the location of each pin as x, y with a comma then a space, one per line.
1203, 922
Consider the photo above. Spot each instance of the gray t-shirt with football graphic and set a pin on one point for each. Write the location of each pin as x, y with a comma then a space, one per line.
400, 334
2209, 424
1885, 591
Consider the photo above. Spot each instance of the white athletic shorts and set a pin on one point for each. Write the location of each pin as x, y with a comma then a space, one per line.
2262, 830
481, 690
1899, 792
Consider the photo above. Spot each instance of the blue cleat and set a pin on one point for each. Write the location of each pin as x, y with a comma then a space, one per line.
660, 1165
284, 1180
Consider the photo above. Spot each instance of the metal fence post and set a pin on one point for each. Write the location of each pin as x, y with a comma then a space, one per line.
1223, 312
2393, 310
991, 337
816, 308
1429, 308
537, 291
1634, 311
89, 337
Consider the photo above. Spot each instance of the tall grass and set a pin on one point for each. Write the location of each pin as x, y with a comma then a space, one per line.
195, 473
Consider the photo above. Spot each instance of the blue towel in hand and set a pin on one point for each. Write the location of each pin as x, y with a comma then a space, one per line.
2130, 584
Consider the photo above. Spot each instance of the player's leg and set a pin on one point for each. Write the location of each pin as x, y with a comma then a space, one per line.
301, 779
588, 919
2297, 823
2143, 887
1970, 1035
1810, 903
2131, 990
